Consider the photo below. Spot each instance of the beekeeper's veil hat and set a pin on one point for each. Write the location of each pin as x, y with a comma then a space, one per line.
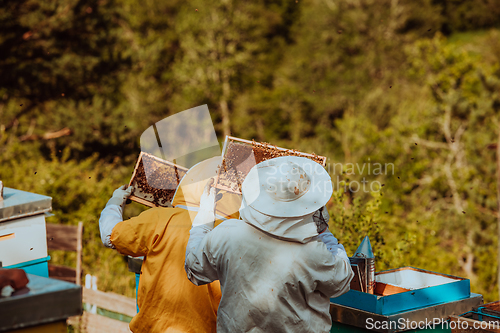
287, 186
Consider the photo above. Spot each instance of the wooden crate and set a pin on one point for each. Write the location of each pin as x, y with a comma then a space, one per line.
95, 323
484, 319
240, 155
158, 190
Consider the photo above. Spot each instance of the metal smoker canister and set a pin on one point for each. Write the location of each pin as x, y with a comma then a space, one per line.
364, 254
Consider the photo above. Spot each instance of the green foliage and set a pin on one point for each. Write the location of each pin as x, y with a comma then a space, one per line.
211, 65
58, 47
79, 191
351, 222
439, 197
467, 15
361, 82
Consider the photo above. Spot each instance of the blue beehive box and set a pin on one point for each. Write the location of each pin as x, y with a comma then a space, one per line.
38, 267
417, 288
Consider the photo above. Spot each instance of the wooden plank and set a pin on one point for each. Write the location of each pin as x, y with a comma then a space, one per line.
110, 301
62, 273
62, 237
94, 323
233, 138
141, 201
385, 289
135, 169
493, 306
79, 240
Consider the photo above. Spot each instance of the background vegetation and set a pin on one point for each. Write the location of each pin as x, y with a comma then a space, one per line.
412, 83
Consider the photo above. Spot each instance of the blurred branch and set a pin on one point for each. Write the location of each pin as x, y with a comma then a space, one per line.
454, 151
451, 182
18, 115
467, 266
43, 24
446, 123
129, 34
467, 263
487, 211
47, 136
458, 148
429, 144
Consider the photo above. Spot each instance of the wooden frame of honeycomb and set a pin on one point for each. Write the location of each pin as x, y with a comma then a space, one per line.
240, 155
163, 172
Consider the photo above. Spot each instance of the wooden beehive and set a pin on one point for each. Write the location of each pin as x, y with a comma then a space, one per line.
158, 189
484, 318
239, 156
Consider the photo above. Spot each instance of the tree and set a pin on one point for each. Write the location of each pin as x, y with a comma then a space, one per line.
55, 56
444, 176
225, 48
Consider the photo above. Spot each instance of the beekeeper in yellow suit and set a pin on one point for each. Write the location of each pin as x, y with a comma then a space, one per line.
167, 300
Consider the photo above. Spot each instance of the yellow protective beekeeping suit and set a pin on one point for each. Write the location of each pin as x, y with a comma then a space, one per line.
167, 300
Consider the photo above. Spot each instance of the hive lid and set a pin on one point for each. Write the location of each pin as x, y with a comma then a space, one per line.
43, 301
17, 203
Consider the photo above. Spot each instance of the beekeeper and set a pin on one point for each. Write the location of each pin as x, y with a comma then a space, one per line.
168, 302
279, 265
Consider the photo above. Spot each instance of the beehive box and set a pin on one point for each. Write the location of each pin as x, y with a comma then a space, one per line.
413, 288
155, 180
486, 318
239, 156
22, 228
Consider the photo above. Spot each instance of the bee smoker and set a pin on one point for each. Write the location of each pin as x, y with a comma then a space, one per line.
363, 265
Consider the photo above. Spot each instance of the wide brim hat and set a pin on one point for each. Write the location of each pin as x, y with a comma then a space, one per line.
287, 186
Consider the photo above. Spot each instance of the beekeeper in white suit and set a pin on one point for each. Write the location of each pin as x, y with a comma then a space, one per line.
279, 265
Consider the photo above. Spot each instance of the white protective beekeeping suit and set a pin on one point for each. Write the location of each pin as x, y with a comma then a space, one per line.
277, 273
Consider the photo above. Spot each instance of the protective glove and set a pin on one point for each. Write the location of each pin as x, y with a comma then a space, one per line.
206, 212
321, 218
120, 195
112, 214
